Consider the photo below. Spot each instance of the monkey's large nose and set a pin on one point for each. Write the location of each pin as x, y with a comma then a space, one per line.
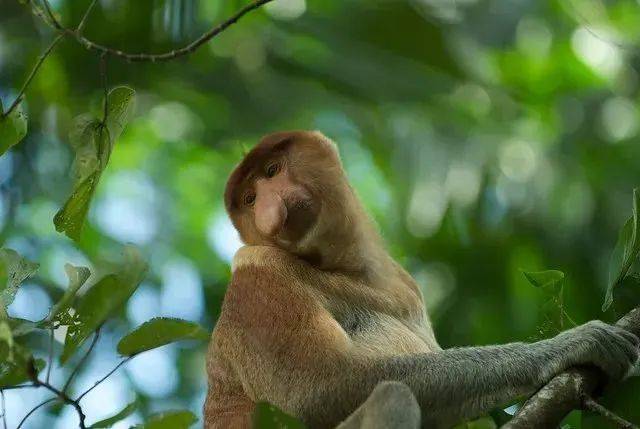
270, 213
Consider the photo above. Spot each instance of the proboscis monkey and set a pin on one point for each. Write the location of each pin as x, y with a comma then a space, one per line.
317, 314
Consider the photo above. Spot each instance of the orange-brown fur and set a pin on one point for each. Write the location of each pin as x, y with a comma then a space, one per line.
288, 306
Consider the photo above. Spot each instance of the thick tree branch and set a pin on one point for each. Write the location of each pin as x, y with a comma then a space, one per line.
565, 392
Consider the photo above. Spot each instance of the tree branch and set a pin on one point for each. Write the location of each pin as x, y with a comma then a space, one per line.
145, 57
82, 360
33, 410
122, 362
565, 392
590, 404
41, 59
66, 399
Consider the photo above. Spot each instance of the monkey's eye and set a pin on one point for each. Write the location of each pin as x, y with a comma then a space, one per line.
272, 169
249, 198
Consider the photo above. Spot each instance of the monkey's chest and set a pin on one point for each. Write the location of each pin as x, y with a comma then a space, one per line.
380, 334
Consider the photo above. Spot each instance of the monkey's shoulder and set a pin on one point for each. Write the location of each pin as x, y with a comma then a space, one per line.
263, 258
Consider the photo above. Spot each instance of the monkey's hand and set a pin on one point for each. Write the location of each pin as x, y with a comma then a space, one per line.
610, 348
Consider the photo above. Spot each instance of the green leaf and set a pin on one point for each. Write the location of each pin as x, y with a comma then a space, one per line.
267, 416
70, 218
17, 372
103, 299
120, 106
93, 142
13, 128
170, 420
625, 252
158, 332
123, 414
16, 269
77, 277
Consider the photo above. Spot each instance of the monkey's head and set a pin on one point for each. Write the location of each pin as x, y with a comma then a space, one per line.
290, 191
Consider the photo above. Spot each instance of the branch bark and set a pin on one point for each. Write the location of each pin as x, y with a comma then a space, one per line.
165, 56
565, 392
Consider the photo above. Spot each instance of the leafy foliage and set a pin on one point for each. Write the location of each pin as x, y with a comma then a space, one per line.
13, 128
103, 299
158, 332
626, 250
93, 141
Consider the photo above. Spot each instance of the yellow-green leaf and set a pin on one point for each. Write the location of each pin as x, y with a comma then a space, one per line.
158, 332
70, 218
170, 420
14, 269
267, 416
120, 106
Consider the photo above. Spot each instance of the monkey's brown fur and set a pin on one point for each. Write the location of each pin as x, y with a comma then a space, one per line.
317, 314
283, 333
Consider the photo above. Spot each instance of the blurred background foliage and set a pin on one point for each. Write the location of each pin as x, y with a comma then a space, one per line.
484, 136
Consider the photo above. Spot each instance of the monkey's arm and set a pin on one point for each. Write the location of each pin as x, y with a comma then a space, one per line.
288, 350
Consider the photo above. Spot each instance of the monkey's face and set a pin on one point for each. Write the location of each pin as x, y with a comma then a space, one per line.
276, 194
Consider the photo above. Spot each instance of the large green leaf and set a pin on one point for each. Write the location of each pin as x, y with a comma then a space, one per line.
122, 414
93, 142
625, 252
170, 420
103, 299
13, 128
267, 416
77, 277
14, 269
158, 332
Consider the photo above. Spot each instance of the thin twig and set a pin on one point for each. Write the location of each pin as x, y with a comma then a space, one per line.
52, 17
83, 21
188, 49
34, 409
587, 26
103, 77
82, 360
41, 59
4, 410
104, 378
50, 363
18, 386
590, 404
66, 399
